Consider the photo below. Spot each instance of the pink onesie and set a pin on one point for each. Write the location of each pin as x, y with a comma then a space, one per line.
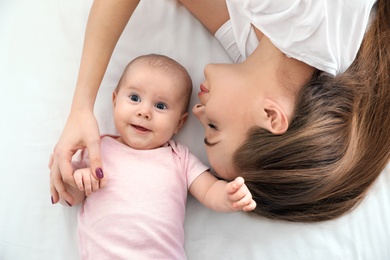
140, 213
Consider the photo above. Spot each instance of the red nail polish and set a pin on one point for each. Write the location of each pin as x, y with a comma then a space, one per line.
52, 201
99, 173
70, 205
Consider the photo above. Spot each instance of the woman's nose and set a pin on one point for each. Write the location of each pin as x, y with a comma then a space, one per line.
207, 69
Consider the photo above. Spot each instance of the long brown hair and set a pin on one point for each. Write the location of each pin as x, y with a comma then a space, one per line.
337, 144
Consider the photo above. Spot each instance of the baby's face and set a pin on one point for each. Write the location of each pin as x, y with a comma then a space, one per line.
148, 108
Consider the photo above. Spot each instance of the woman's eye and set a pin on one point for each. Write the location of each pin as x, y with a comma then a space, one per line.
161, 106
212, 126
134, 98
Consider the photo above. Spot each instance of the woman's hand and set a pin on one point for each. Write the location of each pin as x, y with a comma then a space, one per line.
81, 131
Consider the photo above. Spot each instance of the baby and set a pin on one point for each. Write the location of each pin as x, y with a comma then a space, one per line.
140, 213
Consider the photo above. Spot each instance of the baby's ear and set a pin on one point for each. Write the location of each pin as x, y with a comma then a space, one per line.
274, 118
181, 122
114, 97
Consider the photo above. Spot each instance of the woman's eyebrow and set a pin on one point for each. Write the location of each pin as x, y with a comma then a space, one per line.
208, 143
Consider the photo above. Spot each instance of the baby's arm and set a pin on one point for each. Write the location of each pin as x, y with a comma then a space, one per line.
86, 181
83, 185
220, 195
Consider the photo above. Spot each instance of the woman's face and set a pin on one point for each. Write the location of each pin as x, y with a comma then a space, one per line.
235, 97
229, 103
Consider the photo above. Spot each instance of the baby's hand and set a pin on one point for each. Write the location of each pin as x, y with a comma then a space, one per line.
239, 196
85, 180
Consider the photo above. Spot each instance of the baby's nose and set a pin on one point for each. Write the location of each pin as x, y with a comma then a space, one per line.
145, 113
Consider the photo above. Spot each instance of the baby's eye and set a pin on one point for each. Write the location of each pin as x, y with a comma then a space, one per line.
134, 98
161, 106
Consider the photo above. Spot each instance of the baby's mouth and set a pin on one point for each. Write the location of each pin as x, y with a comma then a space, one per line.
140, 128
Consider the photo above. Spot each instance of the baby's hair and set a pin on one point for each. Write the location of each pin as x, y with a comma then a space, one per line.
166, 65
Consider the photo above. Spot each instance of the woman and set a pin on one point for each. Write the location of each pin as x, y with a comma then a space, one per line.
281, 111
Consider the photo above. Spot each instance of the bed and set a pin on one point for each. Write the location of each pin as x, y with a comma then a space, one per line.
40, 48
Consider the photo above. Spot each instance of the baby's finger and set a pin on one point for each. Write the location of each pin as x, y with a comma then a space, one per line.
252, 205
95, 183
233, 186
87, 182
78, 178
240, 193
244, 202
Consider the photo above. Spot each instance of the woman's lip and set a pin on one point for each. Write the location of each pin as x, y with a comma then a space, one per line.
203, 90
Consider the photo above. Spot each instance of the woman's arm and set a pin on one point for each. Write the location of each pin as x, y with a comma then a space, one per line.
106, 22
220, 195
212, 14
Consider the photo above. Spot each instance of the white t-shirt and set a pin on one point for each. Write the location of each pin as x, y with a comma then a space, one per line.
325, 34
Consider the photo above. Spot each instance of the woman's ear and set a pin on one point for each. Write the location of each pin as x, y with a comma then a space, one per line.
181, 122
275, 118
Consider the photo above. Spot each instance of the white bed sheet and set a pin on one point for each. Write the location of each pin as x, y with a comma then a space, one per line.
40, 47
